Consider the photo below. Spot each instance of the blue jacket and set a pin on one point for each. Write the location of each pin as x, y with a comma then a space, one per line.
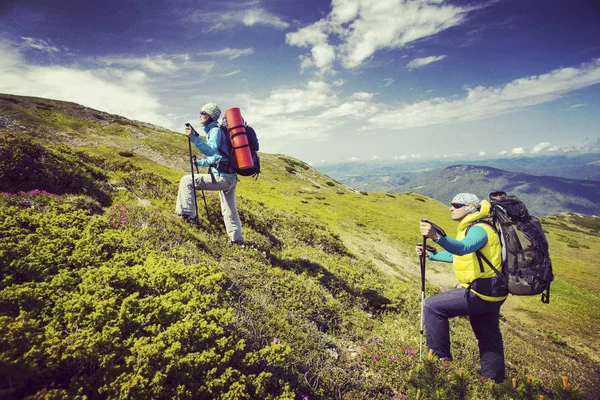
473, 241
210, 148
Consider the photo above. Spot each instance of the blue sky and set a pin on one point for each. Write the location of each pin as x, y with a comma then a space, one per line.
326, 81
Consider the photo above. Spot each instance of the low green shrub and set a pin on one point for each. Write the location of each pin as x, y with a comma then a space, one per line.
26, 165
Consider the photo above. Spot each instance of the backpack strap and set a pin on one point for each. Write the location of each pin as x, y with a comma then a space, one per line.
225, 150
480, 257
478, 253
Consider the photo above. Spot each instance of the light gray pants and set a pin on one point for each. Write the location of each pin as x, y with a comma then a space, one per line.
226, 188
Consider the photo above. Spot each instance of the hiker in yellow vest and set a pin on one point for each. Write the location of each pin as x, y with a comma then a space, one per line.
481, 291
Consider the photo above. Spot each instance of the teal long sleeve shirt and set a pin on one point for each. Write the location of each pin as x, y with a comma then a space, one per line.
475, 239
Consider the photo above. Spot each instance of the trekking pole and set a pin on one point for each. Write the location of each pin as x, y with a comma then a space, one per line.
192, 166
203, 196
423, 260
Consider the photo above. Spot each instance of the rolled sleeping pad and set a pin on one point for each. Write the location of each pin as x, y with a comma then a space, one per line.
237, 131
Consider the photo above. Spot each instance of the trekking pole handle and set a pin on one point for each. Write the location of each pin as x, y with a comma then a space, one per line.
427, 247
436, 228
192, 128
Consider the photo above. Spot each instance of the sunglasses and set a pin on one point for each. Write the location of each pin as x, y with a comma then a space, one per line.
203, 113
459, 205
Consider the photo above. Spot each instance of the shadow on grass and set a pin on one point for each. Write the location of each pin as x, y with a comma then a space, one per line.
375, 301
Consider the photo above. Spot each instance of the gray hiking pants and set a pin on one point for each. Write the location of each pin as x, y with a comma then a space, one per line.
226, 188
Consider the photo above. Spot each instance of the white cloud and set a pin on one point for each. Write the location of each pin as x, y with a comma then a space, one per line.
159, 64
260, 16
420, 62
354, 159
541, 147
484, 102
362, 27
517, 151
314, 36
230, 16
229, 53
112, 90
38, 44
387, 82
230, 73
308, 112
362, 96
315, 96
340, 113
482, 153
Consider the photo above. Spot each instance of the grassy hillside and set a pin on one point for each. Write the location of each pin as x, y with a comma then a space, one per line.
544, 195
105, 293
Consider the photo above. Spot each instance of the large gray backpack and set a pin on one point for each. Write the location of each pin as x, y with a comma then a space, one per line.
525, 256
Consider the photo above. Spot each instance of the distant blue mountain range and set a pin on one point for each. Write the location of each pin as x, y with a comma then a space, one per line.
548, 185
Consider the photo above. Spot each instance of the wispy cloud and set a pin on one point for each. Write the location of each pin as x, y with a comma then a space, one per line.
359, 28
484, 102
421, 62
295, 112
230, 73
229, 16
387, 82
260, 16
38, 44
159, 64
229, 53
113, 90
175, 63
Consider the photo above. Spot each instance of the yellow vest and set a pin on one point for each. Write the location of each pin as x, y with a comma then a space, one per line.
467, 267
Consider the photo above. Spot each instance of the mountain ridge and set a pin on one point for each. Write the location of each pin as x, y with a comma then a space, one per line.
384, 176
543, 195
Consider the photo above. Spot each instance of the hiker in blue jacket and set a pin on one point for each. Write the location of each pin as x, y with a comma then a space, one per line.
224, 183
481, 291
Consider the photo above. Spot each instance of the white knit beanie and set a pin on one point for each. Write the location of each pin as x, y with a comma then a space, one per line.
212, 109
468, 198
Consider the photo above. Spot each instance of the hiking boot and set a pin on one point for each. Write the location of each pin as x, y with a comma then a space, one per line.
237, 243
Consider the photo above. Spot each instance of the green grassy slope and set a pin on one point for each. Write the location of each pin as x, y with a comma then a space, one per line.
328, 307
